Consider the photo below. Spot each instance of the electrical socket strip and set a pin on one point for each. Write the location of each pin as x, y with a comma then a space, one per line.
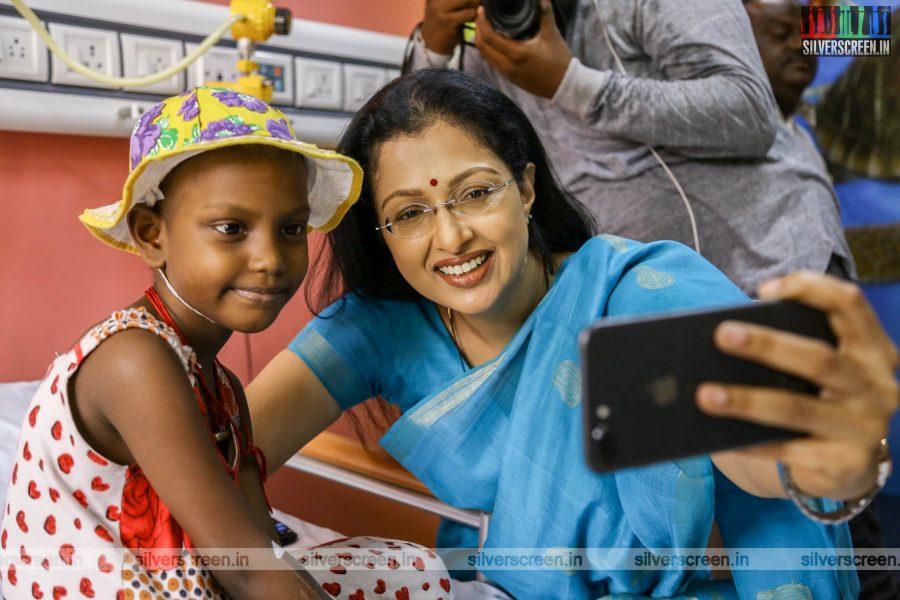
22, 54
144, 55
323, 70
96, 49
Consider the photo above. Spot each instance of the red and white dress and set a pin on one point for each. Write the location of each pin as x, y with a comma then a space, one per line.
74, 521
77, 525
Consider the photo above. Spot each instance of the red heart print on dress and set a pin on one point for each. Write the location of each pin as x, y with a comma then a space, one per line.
445, 583
102, 533
112, 513
402, 593
65, 462
26, 453
98, 485
338, 570
56, 431
380, 586
59, 591
419, 564
50, 525
97, 458
333, 588
357, 595
82, 499
36, 590
24, 555
11, 575
33, 491
66, 551
20, 521
85, 587
104, 565
32, 416
54, 495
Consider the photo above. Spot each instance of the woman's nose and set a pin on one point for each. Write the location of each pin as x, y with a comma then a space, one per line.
451, 231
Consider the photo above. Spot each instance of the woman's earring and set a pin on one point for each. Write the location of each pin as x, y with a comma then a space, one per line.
529, 218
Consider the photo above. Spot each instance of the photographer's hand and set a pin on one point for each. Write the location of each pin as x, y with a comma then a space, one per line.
442, 23
845, 423
536, 65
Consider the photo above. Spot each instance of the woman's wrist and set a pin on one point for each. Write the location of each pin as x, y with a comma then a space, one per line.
809, 505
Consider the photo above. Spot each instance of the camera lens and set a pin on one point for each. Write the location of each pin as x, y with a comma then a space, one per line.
518, 19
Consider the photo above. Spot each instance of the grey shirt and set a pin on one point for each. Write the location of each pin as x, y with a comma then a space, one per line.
696, 91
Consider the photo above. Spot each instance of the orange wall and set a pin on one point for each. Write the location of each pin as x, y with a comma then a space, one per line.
56, 280
387, 16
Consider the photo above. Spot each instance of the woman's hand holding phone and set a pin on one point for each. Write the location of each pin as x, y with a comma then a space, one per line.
845, 422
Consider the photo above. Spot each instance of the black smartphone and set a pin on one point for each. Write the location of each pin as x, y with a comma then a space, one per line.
286, 535
640, 376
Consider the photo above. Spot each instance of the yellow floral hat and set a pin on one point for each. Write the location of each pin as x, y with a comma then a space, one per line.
203, 119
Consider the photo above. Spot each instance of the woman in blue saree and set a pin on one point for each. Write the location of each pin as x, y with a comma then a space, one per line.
463, 278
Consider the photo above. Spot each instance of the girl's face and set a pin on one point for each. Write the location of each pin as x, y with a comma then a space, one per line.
233, 235
471, 264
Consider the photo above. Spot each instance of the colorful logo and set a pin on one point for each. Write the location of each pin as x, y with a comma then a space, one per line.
846, 30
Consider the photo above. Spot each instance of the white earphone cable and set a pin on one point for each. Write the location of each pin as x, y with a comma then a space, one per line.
659, 159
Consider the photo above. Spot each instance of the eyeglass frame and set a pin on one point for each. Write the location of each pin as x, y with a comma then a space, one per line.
449, 204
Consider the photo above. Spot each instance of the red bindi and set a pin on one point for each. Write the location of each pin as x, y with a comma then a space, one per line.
434, 182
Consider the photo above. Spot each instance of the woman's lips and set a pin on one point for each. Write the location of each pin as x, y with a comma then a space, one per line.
470, 278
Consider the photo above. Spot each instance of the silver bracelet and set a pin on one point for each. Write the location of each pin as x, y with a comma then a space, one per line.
851, 508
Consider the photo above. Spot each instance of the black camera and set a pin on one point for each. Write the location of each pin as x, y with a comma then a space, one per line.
517, 19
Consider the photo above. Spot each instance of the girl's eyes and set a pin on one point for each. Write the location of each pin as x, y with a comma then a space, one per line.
295, 229
228, 228
233, 229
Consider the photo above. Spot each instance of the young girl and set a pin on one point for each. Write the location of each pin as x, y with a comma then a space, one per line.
137, 451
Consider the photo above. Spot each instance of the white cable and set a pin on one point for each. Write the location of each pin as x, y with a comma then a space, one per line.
659, 159
180, 299
123, 82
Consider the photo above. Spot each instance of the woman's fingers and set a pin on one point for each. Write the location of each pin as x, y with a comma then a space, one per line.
790, 410
850, 315
810, 359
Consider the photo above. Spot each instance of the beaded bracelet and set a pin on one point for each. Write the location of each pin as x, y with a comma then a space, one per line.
851, 508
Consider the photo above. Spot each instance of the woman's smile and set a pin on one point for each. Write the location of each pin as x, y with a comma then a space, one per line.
465, 271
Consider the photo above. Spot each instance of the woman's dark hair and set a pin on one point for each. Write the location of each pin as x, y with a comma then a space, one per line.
360, 260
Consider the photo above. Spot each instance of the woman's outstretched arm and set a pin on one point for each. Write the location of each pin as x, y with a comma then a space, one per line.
289, 406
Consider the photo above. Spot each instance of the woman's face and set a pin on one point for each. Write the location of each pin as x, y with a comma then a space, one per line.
471, 264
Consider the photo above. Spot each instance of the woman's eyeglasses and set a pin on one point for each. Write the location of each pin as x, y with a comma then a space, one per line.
414, 220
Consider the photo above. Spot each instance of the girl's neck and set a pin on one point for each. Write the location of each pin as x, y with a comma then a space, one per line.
205, 339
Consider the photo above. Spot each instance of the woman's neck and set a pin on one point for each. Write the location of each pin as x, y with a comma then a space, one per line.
481, 337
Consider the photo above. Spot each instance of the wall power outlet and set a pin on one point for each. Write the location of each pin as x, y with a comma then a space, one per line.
22, 54
96, 49
143, 55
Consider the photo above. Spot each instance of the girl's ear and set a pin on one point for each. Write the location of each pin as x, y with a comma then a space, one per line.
148, 232
526, 187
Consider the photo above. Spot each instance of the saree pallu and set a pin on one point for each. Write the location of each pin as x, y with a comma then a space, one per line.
506, 438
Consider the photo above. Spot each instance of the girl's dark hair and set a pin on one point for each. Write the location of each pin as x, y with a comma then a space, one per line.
360, 261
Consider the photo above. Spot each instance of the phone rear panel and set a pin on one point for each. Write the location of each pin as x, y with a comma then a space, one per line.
640, 376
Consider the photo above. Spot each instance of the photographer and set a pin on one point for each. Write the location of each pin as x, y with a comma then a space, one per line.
693, 92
